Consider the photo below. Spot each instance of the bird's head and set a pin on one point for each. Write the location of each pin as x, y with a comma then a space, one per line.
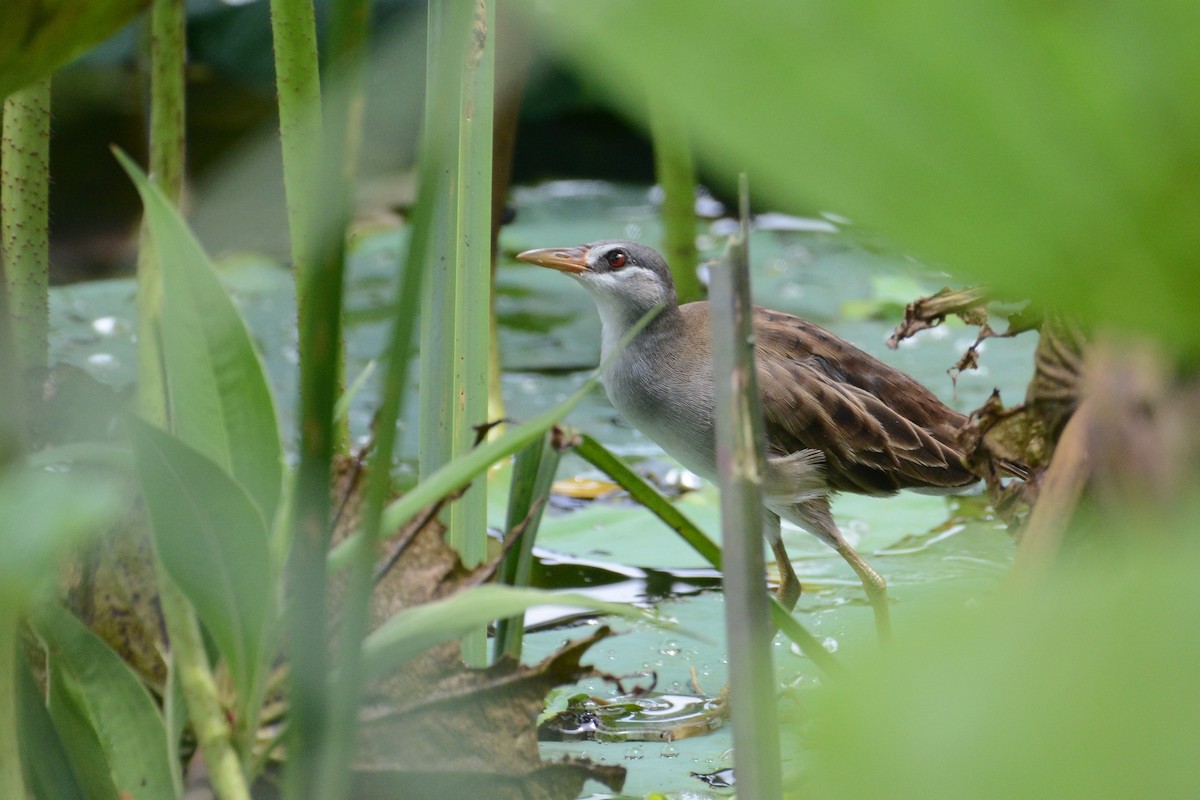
626, 279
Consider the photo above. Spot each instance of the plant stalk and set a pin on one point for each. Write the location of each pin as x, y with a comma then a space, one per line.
676, 176
356, 613
167, 147
532, 475
454, 331
739, 469
298, 84
12, 781
25, 219
213, 733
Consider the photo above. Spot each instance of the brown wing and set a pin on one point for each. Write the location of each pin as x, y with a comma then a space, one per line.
880, 429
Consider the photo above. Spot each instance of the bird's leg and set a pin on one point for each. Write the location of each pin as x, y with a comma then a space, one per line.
789, 585
815, 517
873, 584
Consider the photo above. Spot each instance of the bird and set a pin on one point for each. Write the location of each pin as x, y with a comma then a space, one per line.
836, 419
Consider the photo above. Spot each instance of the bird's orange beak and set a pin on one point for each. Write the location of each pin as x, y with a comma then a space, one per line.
572, 260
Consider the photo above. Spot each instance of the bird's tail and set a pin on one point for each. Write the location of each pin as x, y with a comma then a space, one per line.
795, 478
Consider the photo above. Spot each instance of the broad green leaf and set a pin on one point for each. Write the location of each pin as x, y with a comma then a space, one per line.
41, 515
220, 402
213, 542
38, 36
1047, 148
1081, 686
416, 629
47, 765
106, 719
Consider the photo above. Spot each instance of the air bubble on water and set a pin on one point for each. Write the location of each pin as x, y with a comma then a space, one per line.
670, 750
634, 753
830, 644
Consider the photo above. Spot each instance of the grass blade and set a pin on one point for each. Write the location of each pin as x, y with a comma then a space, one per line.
416, 629
532, 474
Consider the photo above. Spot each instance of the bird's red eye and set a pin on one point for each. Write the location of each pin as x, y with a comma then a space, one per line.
616, 259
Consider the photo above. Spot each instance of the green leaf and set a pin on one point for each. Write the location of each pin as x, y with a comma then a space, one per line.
1047, 148
220, 401
416, 629
213, 542
47, 765
42, 514
106, 719
38, 36
1086, 680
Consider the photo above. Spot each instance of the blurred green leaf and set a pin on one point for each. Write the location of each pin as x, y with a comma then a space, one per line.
47, 766
38, 36
213, 542
1046, 148
106, 719
416, 629
1082, 687
220, 401
42, 514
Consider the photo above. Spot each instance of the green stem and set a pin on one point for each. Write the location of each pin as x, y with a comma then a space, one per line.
677, 178
167, 143
12, 392
12, 782
356, 612
317, 235
213, 733
297, 82
25, 219
532, 475
740, 446
454, 332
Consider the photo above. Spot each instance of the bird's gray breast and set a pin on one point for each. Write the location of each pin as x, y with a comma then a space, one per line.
669, 399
